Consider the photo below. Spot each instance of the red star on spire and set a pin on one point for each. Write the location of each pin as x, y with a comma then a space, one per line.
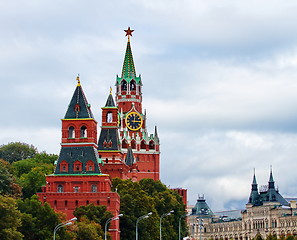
129, 32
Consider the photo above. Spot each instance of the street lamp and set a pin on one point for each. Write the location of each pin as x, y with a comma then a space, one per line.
164, 215
108, 221
139, 219
179, 227
63, 224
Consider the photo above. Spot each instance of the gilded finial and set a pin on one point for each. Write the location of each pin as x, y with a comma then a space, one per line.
110, 90
77, 79
129, 33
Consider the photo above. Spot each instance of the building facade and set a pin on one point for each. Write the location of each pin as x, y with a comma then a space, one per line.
77, 179
267, 213
125, 146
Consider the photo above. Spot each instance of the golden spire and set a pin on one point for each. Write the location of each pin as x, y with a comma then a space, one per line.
110, 90
77, 79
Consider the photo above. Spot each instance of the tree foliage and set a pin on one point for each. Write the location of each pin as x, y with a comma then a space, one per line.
38, 220
8, 185
140, 198
97, 214
10, 219
17, 151
90, 230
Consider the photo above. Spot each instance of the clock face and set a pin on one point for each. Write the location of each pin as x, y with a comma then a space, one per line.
133, 121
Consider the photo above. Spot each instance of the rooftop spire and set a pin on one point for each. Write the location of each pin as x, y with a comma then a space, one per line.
110, 101
271, 180
254, 198
77, 79
129, 160
128, 66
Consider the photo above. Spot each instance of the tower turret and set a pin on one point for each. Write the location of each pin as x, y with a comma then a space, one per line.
129, 85
254, 198
79, 135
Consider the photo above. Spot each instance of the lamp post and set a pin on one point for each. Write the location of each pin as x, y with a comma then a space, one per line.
139, 219
179, 220
107, 222
164, 215
63, 224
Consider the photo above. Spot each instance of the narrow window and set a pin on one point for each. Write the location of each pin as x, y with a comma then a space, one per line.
71, 132
132, 86
94, 188
60, 188
124, 85
109, 117
83, 132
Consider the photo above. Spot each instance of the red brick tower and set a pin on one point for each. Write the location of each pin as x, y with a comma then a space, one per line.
77, 179
136, 153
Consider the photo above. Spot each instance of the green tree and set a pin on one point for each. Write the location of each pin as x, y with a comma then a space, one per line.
31, 182
139, 198
10, 219
8, 185
39, 220
16, 151
97, 214
90, 230
25, 165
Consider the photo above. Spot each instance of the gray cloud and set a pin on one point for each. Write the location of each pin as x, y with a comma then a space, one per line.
219, 81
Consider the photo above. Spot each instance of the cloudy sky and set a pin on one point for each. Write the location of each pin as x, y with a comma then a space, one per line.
220, 82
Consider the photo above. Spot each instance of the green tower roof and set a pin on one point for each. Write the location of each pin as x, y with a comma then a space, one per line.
128, 71
202, 209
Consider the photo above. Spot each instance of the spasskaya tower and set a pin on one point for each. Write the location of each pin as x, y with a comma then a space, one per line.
125, 146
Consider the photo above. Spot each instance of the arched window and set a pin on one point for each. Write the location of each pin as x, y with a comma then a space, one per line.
71, 132
109, 117
83, 132
133, 144
60, 188
124, 144
94, 188
152, 145
143, 145
124, 85
132, 85
76, 189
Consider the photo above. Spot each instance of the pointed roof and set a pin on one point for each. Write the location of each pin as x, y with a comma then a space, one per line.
156, 135
129, 160
202, 209
271, 181
254, 198
110, 101
128, 70
78, 106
